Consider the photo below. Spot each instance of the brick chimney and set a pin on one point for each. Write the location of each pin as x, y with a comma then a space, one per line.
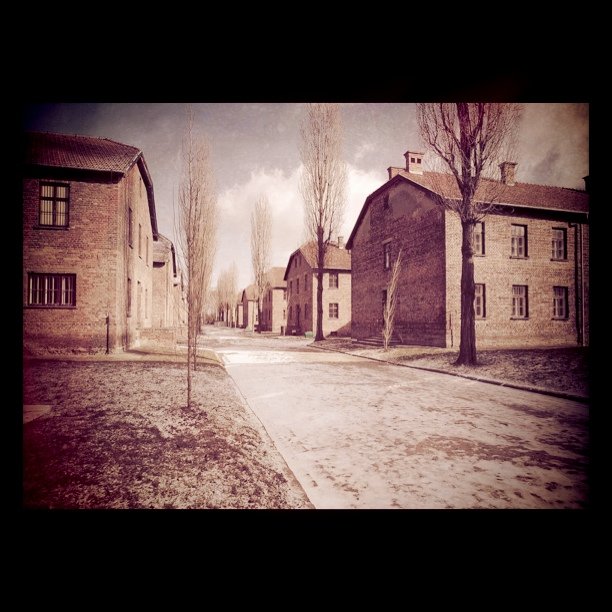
393, 171
507, 172
340, 242
414, 161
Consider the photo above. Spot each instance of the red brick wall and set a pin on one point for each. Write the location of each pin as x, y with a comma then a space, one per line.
273, 306
94, 247
415, 224
306, 299
498, 271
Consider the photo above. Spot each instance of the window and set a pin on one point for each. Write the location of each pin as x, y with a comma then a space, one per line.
559, 302
290, 287
519, 241
284, 296
146, 304
559, 243
130, 226
297, 286
129, 297
54, 201
479, 238
306, 310
284, 314
387, 256
384, 303
305, 282
386, 201
147, 250
412, 160
56, 290
333, 280
333, 311
297, 314
290, 313
519, 302
418, 160
480, 304
139, 240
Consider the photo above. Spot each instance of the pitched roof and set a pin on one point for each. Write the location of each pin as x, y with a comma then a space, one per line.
249, 292
79, 152
524, 195
90, 154
275, 277
519, 194
335, 258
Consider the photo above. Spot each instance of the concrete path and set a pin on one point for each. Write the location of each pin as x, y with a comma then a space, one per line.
362, 434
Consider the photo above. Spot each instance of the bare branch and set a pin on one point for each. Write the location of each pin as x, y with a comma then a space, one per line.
322, 185
197, 227
469, 140
261, 231
391, 302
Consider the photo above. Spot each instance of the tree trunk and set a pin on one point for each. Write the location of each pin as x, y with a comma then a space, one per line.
320, 265
467, 345
188, 361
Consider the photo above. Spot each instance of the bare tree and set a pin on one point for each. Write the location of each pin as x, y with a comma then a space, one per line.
197, 226
470, 139
322, 185
261, 230
226, 290
391, 302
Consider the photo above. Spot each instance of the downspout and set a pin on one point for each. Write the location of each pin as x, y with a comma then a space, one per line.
579, 301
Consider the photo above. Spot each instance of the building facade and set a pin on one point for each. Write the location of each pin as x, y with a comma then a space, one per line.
168, 300
89, 225
274, 302
531, 262
301, 278
250, 316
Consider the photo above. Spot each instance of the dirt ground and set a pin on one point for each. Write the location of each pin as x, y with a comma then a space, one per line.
560, 369
118, 435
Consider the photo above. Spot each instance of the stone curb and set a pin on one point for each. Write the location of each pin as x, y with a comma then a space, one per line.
491, 381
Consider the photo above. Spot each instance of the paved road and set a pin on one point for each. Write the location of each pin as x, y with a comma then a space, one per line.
362, 434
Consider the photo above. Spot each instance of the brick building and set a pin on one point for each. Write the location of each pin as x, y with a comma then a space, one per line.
169, 306
301, 277
249, 308
531, 263
89, 225
274, 302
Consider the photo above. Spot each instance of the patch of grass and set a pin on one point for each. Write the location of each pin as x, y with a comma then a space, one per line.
120, 436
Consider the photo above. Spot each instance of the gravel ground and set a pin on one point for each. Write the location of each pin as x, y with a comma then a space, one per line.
118, 435
558, 369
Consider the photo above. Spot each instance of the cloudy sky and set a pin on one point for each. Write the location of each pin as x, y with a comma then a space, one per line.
255, 151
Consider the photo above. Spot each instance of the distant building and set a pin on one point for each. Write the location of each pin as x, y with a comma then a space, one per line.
301, 278
167, 290
89, 225
239, 318
531, 261
274, 302
249, 308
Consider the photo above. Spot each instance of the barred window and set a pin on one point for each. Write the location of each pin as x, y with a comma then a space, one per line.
560, 302
559, 243
333, 311
519, 301
387, 256
54, 204
480, 305
333, 280
479, 238
55, 290
519, 241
